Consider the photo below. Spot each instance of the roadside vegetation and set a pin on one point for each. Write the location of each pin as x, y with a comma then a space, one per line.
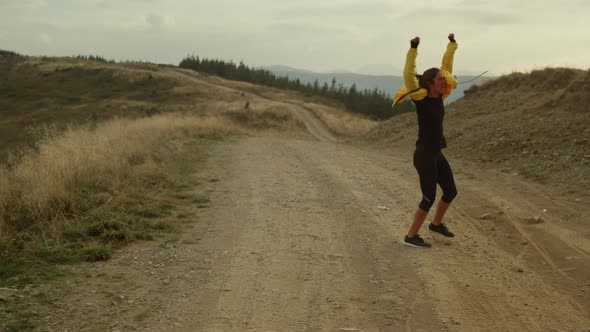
87, 191
95, 155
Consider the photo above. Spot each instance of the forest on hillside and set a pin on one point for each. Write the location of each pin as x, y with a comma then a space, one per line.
375, 103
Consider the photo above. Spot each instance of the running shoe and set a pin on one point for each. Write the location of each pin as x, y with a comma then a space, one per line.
440, 229
416, 241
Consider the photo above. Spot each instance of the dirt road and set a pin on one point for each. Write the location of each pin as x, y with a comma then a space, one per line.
305, 235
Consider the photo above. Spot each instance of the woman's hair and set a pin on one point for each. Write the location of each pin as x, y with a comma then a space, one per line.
427, 76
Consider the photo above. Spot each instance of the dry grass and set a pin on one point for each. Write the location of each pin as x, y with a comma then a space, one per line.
73, 91
45, 184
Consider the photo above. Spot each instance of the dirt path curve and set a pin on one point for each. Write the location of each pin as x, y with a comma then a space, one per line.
306, 235
315, 127
313, 124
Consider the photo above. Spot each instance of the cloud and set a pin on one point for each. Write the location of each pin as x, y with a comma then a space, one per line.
156, 21
472, 15
350, 10
151, 22
45, 38
307, 31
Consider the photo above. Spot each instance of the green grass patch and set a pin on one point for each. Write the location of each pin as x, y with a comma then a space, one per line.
97, 254
8, 269
50, 274
31, 270
73, 235
58, 255
154, 210
20, 325
92, 237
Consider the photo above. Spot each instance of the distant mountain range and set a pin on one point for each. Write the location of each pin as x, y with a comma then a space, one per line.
387, 83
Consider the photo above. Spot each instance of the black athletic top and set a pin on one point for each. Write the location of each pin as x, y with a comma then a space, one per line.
431, 112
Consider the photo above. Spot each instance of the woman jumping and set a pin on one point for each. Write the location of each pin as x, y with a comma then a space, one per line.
428, 92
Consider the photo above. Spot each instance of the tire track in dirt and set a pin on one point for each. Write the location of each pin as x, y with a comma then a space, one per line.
558, 263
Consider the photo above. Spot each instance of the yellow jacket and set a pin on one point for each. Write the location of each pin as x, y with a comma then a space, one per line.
412, 87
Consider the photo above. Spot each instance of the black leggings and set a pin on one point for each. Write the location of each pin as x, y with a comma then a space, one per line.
434, 168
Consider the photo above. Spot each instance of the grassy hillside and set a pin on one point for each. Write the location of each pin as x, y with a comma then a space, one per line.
95, 155
59, 92
535, 124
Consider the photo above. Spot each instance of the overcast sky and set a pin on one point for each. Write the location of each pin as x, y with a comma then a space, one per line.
320, 35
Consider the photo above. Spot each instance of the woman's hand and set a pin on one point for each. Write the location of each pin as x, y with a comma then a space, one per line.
415, 42
452, 37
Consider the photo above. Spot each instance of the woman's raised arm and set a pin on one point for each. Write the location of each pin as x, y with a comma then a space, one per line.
447, 61
410, 68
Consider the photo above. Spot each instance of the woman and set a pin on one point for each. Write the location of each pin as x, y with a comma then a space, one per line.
428, 92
